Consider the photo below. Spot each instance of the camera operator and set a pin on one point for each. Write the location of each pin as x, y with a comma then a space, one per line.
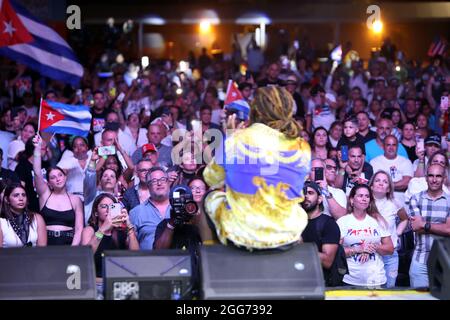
187, 226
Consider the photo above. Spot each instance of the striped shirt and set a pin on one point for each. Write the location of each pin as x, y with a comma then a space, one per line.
433, 211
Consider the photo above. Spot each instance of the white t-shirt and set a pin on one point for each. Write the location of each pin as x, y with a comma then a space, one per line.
339, 196
142, 136
355, 232
14, 148
388, 209
322, 116
125, 140
75, 173
397, 168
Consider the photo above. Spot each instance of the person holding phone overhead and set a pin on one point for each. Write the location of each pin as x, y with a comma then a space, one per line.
323, 172
62, 211
424, 150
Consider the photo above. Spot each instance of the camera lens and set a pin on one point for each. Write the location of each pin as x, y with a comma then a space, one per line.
191, 207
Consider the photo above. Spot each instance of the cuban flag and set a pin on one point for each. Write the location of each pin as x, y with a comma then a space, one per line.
438, 47
235, 101
27, 40
56, 117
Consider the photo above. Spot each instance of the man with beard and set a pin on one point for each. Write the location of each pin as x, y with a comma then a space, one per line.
321, 228
354, 171
149, 214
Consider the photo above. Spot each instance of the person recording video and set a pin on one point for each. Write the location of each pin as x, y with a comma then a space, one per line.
187, 226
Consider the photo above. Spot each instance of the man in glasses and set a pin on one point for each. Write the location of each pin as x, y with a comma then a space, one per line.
149, 214
139, 193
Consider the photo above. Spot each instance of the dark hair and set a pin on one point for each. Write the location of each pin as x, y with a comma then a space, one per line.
72, 141
372, 210
28, 152
328, 144
316, 89
351, 119
93, 219
47, 174
119, 164
29, 123
197, 178
205, 107
6, 212
98, 91
1, 152
153, 169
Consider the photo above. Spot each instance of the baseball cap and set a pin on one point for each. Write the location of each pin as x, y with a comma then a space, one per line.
148, 147
313, 185
433, 139
291, 80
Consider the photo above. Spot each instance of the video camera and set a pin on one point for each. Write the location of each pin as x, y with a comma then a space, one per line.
183, 205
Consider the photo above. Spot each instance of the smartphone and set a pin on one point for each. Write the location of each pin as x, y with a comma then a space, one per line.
344, 153
318, 174
115, 209
106, 151
444, 103
420, 145
120, 97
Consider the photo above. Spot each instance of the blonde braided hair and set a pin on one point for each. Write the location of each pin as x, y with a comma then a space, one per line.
273, 106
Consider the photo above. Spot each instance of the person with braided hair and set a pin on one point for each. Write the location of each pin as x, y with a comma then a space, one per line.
264, 167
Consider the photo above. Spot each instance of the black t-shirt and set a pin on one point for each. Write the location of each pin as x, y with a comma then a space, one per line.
368, 173
322, 230
8, 176
411, 151
369, 136
344, 141
185, 236
98, 120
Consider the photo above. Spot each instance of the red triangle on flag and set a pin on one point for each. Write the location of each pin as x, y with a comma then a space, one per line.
48, 116
233, 93
12, 30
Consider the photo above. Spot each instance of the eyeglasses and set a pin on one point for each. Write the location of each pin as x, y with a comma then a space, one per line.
155, 182
143, 170
330, 167
198, 189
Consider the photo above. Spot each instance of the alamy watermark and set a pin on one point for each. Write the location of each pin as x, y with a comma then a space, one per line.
74, 20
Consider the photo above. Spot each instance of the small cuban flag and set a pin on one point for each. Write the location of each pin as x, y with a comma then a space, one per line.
235, 101
56, 117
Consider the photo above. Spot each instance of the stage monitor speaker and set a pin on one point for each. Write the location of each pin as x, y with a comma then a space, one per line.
50, 273
231, 273
147, 275
439, 269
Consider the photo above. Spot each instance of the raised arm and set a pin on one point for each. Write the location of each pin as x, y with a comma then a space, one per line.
90, 179
42, 188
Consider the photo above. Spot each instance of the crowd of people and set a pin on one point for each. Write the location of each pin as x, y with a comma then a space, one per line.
378, 183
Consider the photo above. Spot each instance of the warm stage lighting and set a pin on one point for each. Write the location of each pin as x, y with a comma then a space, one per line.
205, 27
377, 26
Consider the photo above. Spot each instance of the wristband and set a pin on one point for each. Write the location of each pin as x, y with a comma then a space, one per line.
171, 227
99, 235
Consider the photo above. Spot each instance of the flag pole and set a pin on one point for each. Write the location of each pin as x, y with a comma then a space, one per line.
39, 119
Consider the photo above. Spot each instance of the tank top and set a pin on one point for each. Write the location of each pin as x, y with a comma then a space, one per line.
58, 218
10, 238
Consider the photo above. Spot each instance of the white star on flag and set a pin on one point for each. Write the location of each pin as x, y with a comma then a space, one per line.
9, 28
50, 116
233, 94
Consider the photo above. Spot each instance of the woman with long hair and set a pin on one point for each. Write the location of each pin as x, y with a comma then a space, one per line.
366, 238
108, 232
320, 143
382, 188
62, 211
19, 227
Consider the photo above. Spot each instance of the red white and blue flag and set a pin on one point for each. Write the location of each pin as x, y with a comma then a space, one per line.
25, 39
236, 102
56, 117
438, 47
